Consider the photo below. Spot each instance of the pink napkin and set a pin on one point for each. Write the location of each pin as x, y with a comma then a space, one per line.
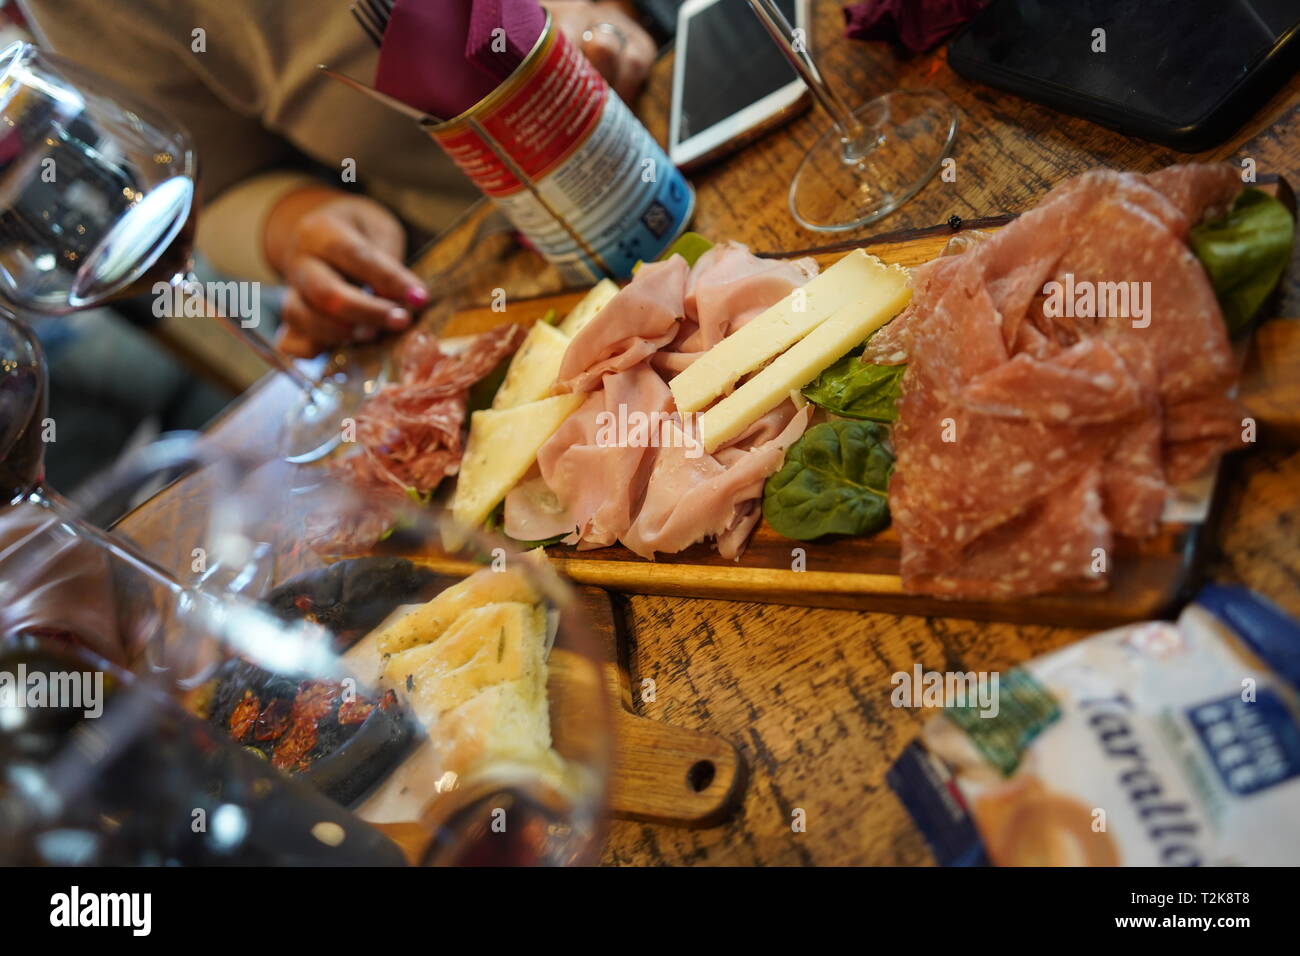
422, 60
521, 23
916, 24
438, 55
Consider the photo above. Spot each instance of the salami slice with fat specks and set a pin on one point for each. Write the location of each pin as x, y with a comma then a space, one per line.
1034, 427
409, 433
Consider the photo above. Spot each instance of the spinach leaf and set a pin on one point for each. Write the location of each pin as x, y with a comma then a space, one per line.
853, 389
834, 481
485, 389
1245, 253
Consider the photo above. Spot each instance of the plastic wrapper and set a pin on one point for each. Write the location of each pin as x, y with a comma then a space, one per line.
1157, 744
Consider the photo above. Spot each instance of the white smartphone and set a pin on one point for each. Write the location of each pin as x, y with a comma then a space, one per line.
731, 84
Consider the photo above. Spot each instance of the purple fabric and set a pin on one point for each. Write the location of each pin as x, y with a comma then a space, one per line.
521, 23
422, 61
916, 24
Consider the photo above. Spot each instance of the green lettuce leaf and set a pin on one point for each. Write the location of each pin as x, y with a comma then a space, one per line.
690, 246
1245, 253
835, 480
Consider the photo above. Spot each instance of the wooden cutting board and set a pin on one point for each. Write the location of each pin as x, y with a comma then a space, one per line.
1149, 579
661, 773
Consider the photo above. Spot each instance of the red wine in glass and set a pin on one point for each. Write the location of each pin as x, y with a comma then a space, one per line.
22, 413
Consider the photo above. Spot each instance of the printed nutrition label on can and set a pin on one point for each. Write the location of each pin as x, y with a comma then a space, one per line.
571, 166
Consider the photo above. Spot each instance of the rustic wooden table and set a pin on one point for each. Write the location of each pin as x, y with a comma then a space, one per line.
804, 693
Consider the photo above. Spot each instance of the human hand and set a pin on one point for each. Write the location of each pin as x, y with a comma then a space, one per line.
614, 43
328, 244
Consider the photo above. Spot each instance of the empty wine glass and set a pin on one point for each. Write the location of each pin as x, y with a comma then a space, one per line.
302, 575
488, 690
23, 421
111, 769
873, 158
98, 202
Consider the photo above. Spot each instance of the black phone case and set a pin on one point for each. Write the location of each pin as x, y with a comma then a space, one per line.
1237, 104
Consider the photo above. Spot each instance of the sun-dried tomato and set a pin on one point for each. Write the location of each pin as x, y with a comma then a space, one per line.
316, 699
291, 751
244, 715
274, 720
354, 711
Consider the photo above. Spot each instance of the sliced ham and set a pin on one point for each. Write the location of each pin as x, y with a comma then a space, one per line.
729, 286
631, 327
533, 512
598, 481
664, 494
692, 495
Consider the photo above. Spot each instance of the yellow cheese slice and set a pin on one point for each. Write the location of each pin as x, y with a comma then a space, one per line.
851, 279
427, 622
586, 310
502, 446
533, 369
806, 359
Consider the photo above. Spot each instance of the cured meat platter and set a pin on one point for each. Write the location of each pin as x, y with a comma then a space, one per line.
1148, 578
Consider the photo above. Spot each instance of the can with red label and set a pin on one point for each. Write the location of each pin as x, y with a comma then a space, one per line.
564, 158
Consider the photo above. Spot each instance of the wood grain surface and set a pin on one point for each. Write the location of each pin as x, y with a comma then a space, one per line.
804, 693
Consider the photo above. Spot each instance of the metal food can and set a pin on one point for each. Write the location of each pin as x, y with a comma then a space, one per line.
570, 166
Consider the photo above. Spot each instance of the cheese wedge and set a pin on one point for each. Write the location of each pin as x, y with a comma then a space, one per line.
858, 277
533, 369
586, 309
427, 622
502, 446
805, 360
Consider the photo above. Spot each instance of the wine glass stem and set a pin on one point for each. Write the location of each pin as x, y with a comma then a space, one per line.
265, 351
120, 548
857, 138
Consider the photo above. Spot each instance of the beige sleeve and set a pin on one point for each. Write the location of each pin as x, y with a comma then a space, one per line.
231, 228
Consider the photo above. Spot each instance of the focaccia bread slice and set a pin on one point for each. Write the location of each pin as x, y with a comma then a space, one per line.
426, 623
